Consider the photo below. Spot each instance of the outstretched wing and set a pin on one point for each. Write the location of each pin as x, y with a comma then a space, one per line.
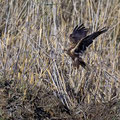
85, 42
78, 33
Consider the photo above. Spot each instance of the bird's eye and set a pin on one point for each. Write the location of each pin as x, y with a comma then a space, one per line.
71, 35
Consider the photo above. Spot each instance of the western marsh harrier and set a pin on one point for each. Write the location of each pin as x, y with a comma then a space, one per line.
79, 41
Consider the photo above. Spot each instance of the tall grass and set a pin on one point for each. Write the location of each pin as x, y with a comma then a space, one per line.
33, 35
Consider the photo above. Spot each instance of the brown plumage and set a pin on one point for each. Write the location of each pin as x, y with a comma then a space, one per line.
79, 41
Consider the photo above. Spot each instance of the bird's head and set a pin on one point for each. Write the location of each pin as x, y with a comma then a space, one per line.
73, 39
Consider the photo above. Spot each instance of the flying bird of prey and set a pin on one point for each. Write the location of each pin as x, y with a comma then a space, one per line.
79, 41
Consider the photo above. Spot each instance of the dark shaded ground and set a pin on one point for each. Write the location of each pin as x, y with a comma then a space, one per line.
40, 104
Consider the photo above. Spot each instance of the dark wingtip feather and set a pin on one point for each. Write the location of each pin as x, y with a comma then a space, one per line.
104, 29
75, 28
78, 27
81, 26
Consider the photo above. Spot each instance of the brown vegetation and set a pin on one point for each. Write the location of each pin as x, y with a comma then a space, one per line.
37, 79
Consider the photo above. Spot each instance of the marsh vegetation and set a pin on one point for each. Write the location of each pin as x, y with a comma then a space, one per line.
37, 79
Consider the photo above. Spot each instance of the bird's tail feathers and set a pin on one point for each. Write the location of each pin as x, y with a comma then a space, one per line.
78, 61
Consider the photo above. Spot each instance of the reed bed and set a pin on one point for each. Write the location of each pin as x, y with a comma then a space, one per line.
34, 66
